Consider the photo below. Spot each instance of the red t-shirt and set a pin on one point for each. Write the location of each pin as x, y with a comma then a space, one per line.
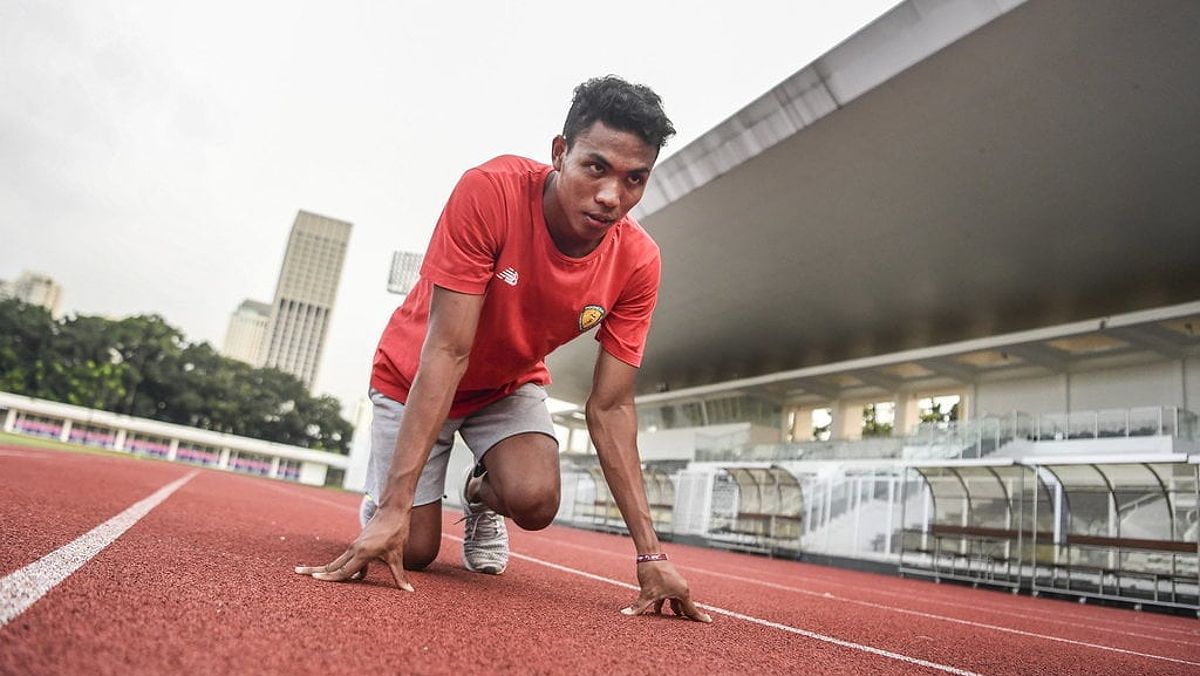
492, 239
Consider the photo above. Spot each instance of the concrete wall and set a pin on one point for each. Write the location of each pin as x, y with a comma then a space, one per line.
1031, 395
1155, 384
1113, 386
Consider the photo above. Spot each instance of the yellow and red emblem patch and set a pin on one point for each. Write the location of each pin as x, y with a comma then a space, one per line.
591, 316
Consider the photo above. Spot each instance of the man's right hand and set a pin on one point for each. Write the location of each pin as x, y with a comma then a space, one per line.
384, 538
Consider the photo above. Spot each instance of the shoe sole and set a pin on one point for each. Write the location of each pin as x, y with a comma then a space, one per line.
486, 570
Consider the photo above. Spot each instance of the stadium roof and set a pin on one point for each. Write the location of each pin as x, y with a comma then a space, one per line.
953, 172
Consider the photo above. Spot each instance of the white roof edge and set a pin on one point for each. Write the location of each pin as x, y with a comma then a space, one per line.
904, 36
1105, 459
961, 462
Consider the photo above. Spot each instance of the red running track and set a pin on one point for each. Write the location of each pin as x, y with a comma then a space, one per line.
203, 583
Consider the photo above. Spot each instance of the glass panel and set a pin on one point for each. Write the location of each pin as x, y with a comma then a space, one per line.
1052, 426
989, 502
1082, 425
1112, 423
1143, 422
949, 497
1187, 425
1079, 476
1169, 427
1088, 501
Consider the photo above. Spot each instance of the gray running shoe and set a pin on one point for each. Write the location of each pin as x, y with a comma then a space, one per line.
485, 539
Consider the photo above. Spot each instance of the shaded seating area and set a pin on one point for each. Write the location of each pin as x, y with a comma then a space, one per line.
660, 493
1119, 528
588, 502
767, 514
974, 523
1128, 532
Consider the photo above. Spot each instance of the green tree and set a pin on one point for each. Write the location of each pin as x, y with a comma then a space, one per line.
142, 366
26, 335
871, 425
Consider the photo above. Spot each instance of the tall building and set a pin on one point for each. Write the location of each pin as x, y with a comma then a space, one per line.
36, 289
247, 326
304, 297
406, 269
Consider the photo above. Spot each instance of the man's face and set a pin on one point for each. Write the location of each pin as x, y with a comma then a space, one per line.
601, 177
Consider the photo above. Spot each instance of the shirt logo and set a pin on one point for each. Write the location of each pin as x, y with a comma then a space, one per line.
508, 276
591, 316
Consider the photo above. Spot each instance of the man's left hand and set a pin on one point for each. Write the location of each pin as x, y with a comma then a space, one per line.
660, 582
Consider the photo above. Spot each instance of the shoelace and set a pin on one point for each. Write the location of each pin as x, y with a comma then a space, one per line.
472, 530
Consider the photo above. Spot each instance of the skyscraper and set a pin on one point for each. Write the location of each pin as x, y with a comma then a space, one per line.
36, 289
406, 270
304, 297
247, 326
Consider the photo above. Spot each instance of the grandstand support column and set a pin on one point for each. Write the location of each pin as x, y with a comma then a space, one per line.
846, 420
966, 403
65, 434
223, 462
119, 442
907, 416
172, 450
274, 468
802, 423
10, 420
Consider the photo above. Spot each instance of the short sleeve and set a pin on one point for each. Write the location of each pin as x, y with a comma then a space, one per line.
623, 331
469, 234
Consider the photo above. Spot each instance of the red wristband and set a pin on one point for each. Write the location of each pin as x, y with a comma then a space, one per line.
643, 558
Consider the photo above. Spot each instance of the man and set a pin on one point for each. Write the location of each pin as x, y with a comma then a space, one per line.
524, 258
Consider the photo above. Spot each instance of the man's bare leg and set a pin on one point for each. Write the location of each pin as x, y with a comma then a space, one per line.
522, 480
424, 536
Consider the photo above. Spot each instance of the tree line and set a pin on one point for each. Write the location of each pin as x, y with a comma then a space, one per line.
141, 366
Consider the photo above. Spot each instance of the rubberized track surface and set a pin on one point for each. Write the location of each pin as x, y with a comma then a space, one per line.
203, 583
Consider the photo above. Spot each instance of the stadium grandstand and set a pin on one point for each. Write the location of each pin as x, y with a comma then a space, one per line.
59, 423
930, 305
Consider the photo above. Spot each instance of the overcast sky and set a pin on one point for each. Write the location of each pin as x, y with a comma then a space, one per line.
153, 154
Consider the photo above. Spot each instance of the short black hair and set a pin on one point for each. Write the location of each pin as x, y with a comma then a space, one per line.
633, 108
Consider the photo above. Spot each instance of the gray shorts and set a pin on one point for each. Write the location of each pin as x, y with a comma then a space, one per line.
520, 412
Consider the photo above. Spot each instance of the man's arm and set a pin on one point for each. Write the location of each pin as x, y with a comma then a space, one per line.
612, 423
453, 318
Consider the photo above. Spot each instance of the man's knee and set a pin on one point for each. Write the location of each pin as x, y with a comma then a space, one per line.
534, 510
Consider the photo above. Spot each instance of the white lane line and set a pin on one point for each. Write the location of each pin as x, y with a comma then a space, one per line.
944, 618
748, 618
906, 611
823, 580
712, 609
21, 589
1139, 620
19, 454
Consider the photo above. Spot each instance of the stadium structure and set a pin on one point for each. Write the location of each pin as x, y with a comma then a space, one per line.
984, 202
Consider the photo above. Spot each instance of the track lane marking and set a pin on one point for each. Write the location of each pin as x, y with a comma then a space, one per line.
1140, 620
23, 588
712, 609
7, 453
824, 580
906, 611
747, 618
824, 595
